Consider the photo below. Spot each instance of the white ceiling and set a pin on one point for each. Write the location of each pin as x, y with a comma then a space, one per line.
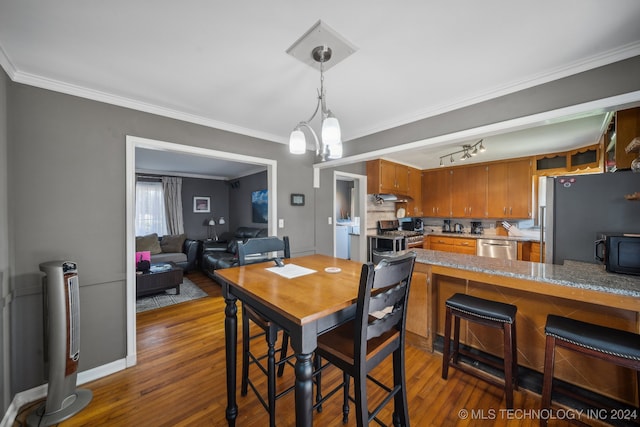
224, 64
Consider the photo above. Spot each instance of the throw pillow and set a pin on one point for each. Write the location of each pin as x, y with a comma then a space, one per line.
172, 243
148, 243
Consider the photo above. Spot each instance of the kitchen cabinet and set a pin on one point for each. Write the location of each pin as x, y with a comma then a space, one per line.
510, 189
458, 245
469, 192
414, 205
531, 252
385, 177
627, 127
436, 193
417, 305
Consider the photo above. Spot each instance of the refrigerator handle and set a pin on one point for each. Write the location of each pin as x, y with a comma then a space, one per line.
542, 225
598, 243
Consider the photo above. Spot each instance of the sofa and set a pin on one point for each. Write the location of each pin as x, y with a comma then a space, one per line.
171, 248
223, 253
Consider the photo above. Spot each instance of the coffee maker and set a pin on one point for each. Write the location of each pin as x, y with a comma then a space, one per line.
446, 227
476, 227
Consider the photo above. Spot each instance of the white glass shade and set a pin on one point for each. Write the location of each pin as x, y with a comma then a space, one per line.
331, 131
297, 142
335, 151
221, 221
212, 222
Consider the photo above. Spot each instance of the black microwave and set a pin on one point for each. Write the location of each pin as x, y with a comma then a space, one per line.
620, 253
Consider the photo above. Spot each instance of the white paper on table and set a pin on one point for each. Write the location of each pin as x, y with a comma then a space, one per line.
291, 270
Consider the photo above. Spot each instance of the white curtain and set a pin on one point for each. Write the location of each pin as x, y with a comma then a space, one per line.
173, 204
150, 211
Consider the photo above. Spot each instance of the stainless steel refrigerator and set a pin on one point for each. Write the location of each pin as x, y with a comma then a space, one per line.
575, 208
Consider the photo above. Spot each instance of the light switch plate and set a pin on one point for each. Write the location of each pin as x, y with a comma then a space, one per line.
329, 220
281, 223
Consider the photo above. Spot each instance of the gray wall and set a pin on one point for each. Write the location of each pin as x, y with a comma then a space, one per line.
67, 200
240, 200
65, 194
194, 223
4, 243
614, 79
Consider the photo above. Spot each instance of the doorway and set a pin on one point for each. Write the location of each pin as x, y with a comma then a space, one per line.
133, 142
350, 213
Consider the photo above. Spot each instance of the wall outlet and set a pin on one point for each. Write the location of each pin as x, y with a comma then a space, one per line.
281, 223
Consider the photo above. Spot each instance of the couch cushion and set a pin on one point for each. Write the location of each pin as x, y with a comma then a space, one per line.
172, 243
177, 257
148, 243
249, 232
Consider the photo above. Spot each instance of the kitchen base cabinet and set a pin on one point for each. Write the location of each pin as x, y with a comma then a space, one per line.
458, 245
417, 313
534, 301
530, 251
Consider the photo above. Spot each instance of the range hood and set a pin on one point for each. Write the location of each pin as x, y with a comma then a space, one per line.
389, 198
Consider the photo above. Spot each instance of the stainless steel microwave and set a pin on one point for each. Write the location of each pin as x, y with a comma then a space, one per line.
619, 252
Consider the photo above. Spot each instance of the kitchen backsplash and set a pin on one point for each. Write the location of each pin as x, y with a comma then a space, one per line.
377, 211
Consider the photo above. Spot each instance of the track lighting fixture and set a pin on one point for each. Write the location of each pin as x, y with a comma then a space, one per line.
467, 152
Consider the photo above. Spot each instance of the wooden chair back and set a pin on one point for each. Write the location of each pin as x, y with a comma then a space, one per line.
260, 249
382, 301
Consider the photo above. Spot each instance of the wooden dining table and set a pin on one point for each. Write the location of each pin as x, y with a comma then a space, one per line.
303, 306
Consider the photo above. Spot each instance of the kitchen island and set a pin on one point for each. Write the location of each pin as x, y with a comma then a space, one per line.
577, 290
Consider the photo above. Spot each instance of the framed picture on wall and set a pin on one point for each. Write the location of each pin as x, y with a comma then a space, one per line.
201, 204
260, 206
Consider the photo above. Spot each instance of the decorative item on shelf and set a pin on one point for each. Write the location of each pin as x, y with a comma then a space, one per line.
467, 151
634, 145
633, 196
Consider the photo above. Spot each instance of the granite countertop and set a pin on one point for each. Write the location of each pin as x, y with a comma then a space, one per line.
575, 274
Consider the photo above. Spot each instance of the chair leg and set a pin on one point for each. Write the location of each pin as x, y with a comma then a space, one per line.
514, 353
401, 408
547, 381
447, 344
456, 340
245, 354
508, 365
271, 375
283, 352
317, 364
360, 389
345, 398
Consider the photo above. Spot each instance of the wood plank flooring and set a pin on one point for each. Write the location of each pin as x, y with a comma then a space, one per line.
180, 381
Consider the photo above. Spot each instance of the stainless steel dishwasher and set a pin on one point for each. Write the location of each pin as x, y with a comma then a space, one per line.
497, 248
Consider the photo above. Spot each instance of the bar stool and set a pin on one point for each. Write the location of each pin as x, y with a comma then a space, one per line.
485, 312
613, 345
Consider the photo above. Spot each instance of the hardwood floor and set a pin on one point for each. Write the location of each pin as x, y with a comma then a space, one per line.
180, 381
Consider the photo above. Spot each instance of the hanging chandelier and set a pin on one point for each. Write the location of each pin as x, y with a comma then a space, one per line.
467, 151
330, 144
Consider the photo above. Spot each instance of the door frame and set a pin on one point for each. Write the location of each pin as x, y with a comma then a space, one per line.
133, 142
362, 207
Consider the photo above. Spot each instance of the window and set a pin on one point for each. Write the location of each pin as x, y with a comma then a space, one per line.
150, 211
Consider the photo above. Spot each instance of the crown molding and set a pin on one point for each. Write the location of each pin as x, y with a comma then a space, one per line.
609, 57
96, 95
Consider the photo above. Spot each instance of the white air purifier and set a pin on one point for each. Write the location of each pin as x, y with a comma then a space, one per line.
61, 296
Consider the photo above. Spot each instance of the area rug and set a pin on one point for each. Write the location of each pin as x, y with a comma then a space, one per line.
188, 292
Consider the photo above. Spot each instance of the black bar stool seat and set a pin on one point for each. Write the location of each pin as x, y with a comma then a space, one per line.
613, 345
489, 313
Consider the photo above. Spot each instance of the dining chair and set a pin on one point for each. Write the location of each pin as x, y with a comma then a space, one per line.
377, 332
254, 250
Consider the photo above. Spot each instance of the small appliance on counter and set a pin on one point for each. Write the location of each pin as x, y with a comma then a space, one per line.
446, 227
476, 227
458, 228
411, 224
619, 252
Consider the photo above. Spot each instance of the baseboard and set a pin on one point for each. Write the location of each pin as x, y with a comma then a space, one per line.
36, 393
